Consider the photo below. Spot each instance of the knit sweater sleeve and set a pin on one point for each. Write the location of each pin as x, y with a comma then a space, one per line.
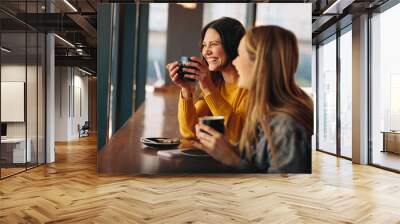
188, 114
234, 117
292, 144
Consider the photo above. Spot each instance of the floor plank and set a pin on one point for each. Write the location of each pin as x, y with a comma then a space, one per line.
71, 191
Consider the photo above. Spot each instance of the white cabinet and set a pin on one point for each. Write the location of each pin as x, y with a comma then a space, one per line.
16, 147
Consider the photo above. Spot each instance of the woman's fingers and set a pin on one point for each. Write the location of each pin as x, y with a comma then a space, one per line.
195, 65
172, 66
198, 145
207, 140
197, 59
205, 147
197, 129
199, 67
195, 74
192, 76
174, 75
191, 70
198, 63
203, 136
175, 70
175, 67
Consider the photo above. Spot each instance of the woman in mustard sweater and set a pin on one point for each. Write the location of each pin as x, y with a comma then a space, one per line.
217, 79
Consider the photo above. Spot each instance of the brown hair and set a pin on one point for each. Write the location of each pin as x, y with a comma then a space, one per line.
274, 52
231, 32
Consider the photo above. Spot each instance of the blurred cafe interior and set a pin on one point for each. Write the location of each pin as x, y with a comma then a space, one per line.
82, 81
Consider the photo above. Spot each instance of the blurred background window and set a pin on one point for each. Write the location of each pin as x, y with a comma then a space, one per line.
296, 18
212, 11
158, 22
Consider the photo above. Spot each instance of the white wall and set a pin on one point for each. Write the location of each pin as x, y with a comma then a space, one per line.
13, 73
80, 110
71, 102
33, 126
61, 103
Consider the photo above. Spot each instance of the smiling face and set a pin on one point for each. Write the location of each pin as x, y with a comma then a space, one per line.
213, 51
243, 65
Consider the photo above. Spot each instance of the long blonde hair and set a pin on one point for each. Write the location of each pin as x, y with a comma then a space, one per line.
273, 89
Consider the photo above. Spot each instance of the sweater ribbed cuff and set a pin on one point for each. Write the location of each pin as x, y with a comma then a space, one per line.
187, 104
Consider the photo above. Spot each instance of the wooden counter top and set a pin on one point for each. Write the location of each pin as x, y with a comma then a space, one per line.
157, 117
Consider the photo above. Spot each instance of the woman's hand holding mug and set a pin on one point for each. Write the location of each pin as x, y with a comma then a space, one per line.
201, 73
187, 87
216, 145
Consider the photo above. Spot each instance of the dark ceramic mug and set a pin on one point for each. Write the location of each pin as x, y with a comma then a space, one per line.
216, 122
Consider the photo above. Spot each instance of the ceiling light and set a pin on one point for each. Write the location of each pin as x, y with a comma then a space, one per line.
5, 50
70, 5
65, 41
188, 5
84, 71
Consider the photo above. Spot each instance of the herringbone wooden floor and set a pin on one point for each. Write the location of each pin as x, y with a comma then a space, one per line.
70, 191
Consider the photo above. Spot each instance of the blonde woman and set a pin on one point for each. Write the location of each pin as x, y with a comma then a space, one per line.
277, 132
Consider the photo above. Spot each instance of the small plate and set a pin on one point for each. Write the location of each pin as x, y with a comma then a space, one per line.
195, 153
161, 142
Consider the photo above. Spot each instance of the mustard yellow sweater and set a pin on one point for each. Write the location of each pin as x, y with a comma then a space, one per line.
228, 100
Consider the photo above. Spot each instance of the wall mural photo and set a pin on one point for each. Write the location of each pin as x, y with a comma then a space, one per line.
235, 88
